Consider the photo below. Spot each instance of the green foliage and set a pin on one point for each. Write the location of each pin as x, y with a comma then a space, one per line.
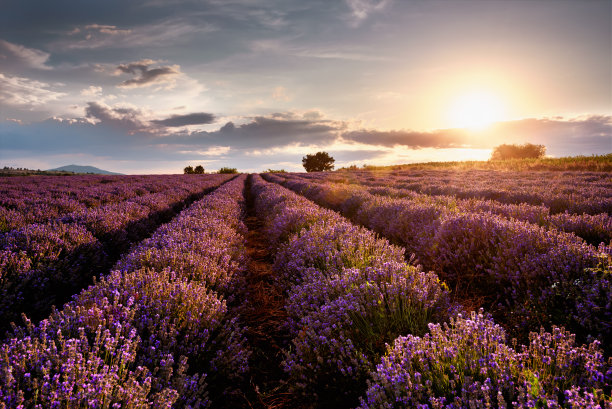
227, 170
199, 170
525, 151
188, 170
275, 171
319, 162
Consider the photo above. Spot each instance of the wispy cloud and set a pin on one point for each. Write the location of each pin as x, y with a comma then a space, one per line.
99, 28
212, 151
161, 33
26, 92
361, 9
280, 94
16, 55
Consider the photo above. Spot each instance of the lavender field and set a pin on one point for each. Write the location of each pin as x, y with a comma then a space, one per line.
389, 289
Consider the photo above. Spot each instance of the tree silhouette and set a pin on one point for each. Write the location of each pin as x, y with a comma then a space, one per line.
318, 162
189, 170
199, 170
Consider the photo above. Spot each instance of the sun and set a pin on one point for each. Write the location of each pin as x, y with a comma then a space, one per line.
476, 110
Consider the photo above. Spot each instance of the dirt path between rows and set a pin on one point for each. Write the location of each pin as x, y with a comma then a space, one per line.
264, 314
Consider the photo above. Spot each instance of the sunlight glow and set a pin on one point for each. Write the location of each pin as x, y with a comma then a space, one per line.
476, 110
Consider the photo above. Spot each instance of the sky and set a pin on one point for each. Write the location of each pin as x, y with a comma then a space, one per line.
151, 86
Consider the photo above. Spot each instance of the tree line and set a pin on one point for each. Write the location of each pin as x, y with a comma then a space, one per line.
199, 170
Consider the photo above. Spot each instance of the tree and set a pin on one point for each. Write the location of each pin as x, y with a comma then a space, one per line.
189, 170
199, 170
227, 170
318, 162
525, 151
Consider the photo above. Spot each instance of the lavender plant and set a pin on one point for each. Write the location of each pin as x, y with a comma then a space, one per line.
467, 363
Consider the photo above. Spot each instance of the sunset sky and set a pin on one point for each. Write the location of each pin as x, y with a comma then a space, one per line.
150, 86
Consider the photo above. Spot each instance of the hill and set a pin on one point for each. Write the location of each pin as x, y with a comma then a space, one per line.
83, 169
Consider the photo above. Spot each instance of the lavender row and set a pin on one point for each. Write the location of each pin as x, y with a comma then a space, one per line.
525, 275
27, 200
594, 229
466, 363
348, 293
44, 264
572, 192
146, 335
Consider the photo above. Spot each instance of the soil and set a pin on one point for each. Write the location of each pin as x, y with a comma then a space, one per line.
264, 314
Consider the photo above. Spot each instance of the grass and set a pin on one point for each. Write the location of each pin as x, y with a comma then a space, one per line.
594, 163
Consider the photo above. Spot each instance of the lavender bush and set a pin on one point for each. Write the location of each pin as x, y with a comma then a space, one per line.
339, 341
467, 363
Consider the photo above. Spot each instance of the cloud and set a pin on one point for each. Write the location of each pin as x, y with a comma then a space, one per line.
183, 120
145, 76
161, 33
361, 9
263, 132
91, 91
101, 28
280, 94
436, 139
15, 55
212, 151
134, 120
20, 91
124, 118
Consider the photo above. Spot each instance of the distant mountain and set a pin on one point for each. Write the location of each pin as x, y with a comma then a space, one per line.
84, 169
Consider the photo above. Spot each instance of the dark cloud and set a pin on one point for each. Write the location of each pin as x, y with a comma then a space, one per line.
267, 132
189, 119
145, 76
558, 134
446, 138
133, 120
